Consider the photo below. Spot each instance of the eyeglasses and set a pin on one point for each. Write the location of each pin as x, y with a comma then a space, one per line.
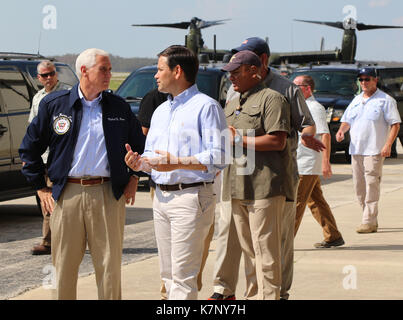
364, 79
49, 74
302, 85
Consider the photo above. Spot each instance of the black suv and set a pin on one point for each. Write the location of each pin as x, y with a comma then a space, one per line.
18, 85
210, 80
335, 87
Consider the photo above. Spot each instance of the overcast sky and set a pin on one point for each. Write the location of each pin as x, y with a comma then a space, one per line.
70, 26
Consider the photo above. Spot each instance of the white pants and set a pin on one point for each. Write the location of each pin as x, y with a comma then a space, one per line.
182, 220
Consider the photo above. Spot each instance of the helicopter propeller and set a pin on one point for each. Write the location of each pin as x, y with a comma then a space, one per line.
194, 22
350, 23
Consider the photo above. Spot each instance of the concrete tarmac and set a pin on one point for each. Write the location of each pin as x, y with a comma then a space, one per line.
368, 266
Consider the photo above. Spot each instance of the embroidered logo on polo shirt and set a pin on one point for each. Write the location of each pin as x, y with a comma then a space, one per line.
61, 124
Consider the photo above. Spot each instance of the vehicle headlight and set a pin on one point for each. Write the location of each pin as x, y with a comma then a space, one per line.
334, 115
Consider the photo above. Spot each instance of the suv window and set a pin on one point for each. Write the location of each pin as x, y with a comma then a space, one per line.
65, 75
391, 81
13, 89
341, 82
138, 85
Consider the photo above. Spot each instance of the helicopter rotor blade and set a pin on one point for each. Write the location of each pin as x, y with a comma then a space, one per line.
205, 24
363, 27
179, 25
338, 25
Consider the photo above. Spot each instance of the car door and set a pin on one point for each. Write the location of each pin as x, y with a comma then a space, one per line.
5, 140
391, 81
16, 104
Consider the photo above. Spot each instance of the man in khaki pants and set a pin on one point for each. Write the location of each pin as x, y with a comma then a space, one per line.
47, 76
85, 129
310, 165
374, 122
253, 184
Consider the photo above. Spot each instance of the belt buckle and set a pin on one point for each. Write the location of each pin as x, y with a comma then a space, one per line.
81, 182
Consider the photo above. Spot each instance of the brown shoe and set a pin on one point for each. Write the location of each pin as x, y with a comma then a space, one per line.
40, 250
367, 228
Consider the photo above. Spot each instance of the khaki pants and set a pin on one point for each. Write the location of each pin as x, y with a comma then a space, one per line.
226, 267
46, 234
88, 214
258, 224
181, 219
310, 193
367, 174
287, 248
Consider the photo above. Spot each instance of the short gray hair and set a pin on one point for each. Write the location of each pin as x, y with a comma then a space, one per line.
45, 64
87, 58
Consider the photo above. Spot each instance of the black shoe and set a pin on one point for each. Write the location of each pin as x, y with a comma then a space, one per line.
219, 296
325, 244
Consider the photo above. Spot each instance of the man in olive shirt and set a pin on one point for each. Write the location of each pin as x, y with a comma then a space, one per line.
258, 196
228, 249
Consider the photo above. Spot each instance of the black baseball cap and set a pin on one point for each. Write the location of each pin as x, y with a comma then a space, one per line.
371, 72
255, 44
240, 58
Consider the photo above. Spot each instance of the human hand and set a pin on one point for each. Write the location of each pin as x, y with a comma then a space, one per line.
326, 170
133, 159
130, 190
386, 151
311, 142
47, 201
339, 136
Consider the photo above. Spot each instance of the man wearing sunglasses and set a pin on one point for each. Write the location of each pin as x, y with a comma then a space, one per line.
374, 122
47, 76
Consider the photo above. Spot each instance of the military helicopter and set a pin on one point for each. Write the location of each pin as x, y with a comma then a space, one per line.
193, 39
348, 48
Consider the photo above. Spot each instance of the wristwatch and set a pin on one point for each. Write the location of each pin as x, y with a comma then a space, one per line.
238, 139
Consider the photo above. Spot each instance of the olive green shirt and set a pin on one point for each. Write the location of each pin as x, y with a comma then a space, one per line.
300, 118
264, 111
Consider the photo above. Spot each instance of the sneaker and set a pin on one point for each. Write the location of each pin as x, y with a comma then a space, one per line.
367, 228
219, 296
330, 244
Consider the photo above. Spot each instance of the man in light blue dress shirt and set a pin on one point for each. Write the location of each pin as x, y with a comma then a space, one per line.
374, 122
184, 151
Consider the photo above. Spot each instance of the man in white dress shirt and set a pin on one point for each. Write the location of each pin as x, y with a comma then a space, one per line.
374, 122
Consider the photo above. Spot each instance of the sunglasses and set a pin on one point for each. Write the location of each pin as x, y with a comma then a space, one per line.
364, 79
49, 74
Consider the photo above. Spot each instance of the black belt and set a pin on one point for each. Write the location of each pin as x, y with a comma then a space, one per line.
180, 186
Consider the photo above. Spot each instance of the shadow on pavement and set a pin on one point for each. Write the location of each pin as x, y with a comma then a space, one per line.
391, 247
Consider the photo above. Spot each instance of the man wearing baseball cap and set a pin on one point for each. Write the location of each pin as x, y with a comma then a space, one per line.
374, 122
256, 197
228, 249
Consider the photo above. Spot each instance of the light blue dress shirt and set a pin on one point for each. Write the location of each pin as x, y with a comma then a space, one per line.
190, 124
370, 122
90, 157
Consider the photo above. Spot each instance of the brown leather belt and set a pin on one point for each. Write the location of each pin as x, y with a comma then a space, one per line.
180, 186
88, 181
